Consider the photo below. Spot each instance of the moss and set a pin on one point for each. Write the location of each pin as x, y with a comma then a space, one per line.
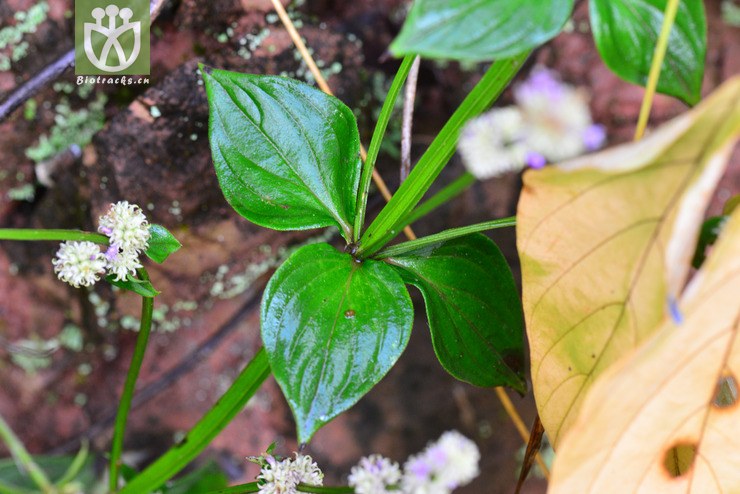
12, 46
25, 192
70, 127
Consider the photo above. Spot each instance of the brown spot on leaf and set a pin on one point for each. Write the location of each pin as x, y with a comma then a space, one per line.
679, 458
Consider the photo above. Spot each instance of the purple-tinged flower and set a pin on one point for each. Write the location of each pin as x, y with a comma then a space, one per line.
491, 144
375, 474
594, 137
450, 462
79, 263
126, 226
535, 160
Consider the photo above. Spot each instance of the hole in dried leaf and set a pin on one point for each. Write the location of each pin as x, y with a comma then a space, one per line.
726, 393
679, 459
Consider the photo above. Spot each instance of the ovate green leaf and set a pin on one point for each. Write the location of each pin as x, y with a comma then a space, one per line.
626, 32
332, 328
161, 244
287, 156
479, 30
473, 309
139, 287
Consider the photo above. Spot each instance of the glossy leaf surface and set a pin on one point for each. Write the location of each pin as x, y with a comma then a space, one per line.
675, 432
473, 309
139, 287
479, 30
161, 244
606, 243
332, 328
287, 156
626, 32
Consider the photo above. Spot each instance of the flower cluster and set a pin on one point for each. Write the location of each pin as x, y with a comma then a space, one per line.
82, 263
448, 463
282, 477
375, 474
551, 122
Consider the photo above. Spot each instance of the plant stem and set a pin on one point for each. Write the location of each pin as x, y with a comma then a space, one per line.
11, 489
372, 152
449, 192
22, 456
237, 489
129, 386
253, 487
387, 224
76, 465
223, 411
658, 56
325, 490
409, 99
57, 235
520, 427
402, 248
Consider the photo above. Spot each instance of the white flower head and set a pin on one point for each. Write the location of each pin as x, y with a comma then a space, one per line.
276, 477
126, 226
492, 144
282, 477
557, 118
307, 471
461, 459
79, 263
443, 466
374, 474
121, 262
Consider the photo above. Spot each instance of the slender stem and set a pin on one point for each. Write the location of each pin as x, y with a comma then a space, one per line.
22, 456
372, 152
129, 386
658, 56
76, 465
402, 248
409, 98
219, 416
386, 225
237, 489
57, 235
520, 427
253, 487
11, 489
325, 490
449, 192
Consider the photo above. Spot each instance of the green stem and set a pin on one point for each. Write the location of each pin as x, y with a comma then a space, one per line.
325, 490
58, 235
75, 466
11, 489
124, 406
402, 248
237, 489
449, 192
372, 152
219, 416
254, 487
23, 457
386, 225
